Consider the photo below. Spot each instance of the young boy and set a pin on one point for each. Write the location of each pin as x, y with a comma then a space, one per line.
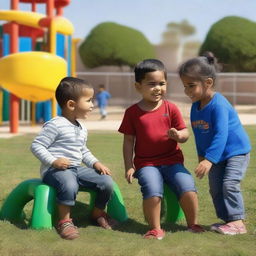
152, 129
102, 98
61, 148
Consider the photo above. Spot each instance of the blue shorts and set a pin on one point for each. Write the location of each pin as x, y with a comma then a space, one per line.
176, 177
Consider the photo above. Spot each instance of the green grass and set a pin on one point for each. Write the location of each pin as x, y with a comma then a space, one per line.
18, 164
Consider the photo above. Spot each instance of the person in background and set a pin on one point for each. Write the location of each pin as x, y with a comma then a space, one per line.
102, 98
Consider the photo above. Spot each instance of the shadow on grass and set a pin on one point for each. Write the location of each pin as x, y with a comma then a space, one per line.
81, 218
23, 224
132, 226
80, 214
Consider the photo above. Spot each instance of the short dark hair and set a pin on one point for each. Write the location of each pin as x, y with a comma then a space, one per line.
205, 66
146, 66
70, 88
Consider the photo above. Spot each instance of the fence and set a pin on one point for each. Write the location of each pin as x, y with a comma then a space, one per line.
238, 88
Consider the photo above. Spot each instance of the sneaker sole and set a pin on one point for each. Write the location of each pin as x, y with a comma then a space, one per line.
153, 237
229, 233
214, 229
70, 237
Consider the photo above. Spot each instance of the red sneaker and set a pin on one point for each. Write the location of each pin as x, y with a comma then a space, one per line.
67, 230
155, 234
195, 228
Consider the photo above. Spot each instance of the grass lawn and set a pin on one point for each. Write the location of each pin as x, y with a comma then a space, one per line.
18, 164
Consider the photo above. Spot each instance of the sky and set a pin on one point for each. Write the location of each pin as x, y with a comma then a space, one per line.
150, 16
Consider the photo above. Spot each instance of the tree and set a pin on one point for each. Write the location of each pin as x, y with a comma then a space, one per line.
182, 29
233, 42
113, 44
176, 34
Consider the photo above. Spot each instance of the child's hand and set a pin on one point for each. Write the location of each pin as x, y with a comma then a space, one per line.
61, 163
129, 175
180, 136
102, 169
203, 168
173, 134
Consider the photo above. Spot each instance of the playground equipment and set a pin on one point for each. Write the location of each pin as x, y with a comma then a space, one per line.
37, 51
173, 211
44, 207
25, 83
43, 213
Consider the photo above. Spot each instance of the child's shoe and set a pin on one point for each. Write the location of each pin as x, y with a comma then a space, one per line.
231, 229
215, 226
195, 228
67, 230
155, 234
105, 221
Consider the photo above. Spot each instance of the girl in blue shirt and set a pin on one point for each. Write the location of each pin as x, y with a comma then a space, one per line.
222, 144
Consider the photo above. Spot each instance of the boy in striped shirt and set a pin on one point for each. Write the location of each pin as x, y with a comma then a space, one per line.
61, 148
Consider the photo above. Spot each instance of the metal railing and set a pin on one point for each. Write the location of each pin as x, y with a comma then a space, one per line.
238, 88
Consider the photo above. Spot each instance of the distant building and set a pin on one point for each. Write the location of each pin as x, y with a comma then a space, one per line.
171, 54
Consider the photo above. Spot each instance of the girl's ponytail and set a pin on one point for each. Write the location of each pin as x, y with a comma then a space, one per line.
212, 60
200, 67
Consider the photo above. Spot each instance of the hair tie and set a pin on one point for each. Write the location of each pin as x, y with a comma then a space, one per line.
210, 60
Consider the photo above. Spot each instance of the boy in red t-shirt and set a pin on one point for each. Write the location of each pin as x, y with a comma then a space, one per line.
152, 129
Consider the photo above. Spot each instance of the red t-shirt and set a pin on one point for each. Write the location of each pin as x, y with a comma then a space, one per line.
152, 145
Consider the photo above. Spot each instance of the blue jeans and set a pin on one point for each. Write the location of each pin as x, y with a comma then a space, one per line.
224, 182
103, 111
176, 176
67, 182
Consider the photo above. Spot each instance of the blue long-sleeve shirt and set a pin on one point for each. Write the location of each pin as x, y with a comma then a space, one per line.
218, 131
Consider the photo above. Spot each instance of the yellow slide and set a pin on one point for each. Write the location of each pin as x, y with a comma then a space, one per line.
32, 76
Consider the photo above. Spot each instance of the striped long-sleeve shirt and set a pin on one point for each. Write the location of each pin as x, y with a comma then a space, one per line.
60, 138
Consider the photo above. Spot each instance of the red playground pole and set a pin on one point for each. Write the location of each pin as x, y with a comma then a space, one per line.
14, 100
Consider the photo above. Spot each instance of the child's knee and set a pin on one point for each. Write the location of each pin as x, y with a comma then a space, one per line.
153, 192
107, 184
66, 195
230, 186
153, 199
190, 195
71, 187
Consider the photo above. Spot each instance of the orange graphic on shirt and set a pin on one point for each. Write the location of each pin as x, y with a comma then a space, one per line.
200, 124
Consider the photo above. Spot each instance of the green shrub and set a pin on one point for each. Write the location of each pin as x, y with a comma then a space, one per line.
113, 44
233, 41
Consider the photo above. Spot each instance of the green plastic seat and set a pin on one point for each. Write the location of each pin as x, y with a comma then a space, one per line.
44, 207
174, 213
